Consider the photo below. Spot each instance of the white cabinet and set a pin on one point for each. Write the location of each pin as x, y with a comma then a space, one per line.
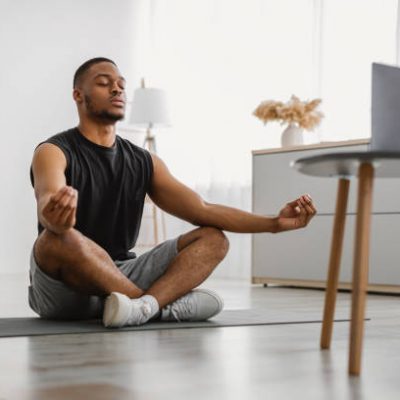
300, 258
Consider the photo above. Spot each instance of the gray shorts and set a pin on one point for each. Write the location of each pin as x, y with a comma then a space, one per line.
51, 298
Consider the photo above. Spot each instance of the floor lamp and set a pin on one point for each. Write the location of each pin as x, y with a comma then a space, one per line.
149, 110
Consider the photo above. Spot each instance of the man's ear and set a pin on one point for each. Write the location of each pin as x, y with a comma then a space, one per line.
77, 95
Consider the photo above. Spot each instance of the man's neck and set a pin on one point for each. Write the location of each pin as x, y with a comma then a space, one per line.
102, 134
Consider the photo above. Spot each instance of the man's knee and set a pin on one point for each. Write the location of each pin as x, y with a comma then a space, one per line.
214, 239
217, 239
52, 251
50, 242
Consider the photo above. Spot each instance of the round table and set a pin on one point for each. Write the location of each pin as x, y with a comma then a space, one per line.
365, 166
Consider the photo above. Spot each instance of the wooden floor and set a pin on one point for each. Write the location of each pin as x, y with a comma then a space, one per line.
261, 362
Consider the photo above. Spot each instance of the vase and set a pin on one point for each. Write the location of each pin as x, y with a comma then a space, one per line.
292, 136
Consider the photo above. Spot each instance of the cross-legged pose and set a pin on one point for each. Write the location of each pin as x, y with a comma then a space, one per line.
90, 185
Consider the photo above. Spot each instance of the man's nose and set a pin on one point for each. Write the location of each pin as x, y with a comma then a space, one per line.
115, 89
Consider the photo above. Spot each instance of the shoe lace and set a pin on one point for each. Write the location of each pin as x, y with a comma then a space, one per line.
181, 309
145, 309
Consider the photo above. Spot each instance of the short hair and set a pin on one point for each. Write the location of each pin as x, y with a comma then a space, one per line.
86, 65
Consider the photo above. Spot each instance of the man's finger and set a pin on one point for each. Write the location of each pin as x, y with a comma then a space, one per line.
59, 207
310, 202
70, 192
68, 201
70, 219
307, 206
55, 198
301, 206
67, 215
311, 206
308, 197
292, 203
62, 214
303, 213
310, 211
62, 202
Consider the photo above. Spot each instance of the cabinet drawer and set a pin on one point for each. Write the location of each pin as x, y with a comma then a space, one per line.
275, 183
304, 254
385, 249
299, 254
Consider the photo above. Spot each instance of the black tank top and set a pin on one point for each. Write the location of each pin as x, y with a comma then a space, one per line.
112, 183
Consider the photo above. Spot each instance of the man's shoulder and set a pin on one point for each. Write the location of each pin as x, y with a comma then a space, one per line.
60, 138
65, 136
64, 141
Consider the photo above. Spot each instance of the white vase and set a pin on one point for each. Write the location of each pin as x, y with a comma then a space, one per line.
292, 136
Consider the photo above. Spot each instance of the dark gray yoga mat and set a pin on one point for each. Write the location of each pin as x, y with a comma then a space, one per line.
10, 327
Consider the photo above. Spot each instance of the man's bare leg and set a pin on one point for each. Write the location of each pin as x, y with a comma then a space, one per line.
81, 264
200, 251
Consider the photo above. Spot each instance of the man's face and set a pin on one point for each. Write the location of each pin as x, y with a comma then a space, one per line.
102, 93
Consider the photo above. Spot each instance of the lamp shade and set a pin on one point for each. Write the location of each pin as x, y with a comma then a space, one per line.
149, 106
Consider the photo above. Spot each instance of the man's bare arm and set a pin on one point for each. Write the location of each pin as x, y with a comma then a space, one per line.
177, 199
56, 202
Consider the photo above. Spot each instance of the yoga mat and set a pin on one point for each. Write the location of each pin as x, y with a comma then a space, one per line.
11, 327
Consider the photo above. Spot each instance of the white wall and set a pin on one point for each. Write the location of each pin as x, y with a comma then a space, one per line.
42, 42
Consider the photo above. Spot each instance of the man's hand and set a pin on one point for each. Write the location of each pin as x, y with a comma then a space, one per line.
296, 214
60, 211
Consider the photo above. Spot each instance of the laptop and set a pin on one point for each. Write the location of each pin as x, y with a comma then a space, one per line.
385, 133
385, 109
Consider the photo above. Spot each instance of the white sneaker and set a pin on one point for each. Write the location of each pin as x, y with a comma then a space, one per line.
197, 305
120, 310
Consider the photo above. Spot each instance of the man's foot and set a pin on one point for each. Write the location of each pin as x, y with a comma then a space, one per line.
120, 310
197, 305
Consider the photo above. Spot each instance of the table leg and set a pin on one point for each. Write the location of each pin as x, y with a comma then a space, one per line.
334, 262
360, 266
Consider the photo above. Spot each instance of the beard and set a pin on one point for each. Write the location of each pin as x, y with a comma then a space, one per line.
102, 115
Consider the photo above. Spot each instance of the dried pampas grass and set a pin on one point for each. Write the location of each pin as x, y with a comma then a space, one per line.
303, 113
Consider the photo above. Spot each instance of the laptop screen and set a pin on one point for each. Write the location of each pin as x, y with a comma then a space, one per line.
385, 108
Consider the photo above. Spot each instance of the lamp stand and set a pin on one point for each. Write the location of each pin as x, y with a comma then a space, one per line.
150, 144
150, 141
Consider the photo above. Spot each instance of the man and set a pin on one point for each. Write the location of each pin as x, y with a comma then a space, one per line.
90, 186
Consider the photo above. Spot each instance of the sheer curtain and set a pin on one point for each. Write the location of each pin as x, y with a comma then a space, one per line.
218, 59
